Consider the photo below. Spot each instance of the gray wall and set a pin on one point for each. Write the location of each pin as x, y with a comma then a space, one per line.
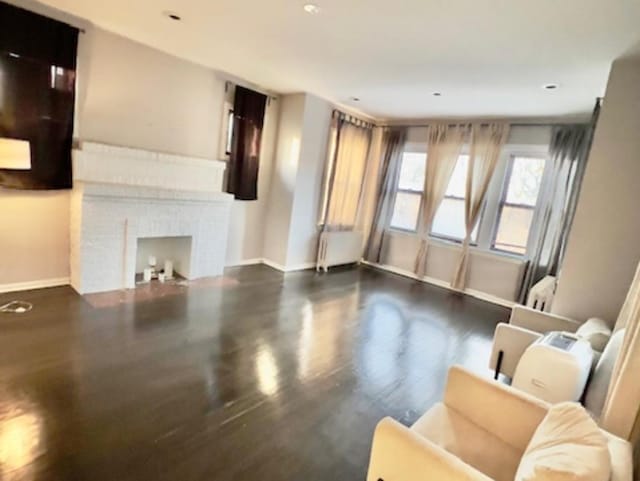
303, 231
296, 189
283, 183
248, 220
140, 97
497, 276
34, 232
604, 245
135, 96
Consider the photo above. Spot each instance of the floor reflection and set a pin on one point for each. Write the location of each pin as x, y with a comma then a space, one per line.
398, 351
269, 377
20, 439
383, 340
267, 370
325, 329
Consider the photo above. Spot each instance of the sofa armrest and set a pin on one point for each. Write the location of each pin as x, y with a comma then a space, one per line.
512, 341
399, 454
621, 452
541, 322
508, 413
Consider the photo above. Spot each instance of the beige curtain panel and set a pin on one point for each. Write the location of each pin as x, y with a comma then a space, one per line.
620, 412
443, 149
347, 164
486, 144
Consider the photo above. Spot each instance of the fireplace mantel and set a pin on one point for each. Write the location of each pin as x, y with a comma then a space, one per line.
100, 163
126, 192
121, 195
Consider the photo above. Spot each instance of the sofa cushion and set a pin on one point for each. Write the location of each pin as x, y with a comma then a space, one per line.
598, 386
596, 332
475, 446
568, 445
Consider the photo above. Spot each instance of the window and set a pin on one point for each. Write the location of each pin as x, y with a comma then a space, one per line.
410, 188
518, 203
506, 219
229, 137
449, 220
37, 93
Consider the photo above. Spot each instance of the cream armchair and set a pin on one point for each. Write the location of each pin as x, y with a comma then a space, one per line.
527, 325
479, 432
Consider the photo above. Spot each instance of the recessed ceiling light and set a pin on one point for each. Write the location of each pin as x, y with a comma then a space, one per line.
311, 8
437, 94
550, 86
172, 16
14, 55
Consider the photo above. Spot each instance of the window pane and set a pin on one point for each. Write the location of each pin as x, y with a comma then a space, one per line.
406, 210
449, 220
458, 183
412, 171
525, 180
62, 78
523, 189
513, 229
229, 143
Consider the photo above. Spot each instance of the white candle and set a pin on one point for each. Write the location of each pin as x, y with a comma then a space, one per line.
168, 269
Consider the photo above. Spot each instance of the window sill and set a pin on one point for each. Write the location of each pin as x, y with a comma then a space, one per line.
400, 230
450, 240
453, 244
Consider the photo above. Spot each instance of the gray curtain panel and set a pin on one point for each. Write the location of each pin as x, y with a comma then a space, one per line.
568, 152
393, 141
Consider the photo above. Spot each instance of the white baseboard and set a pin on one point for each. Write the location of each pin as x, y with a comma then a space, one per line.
301, 267
483, 296
245, 262
31, 285
440, 283
281, 268
274, 265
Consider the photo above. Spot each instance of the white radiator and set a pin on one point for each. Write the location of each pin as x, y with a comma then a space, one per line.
541, 294
338, 248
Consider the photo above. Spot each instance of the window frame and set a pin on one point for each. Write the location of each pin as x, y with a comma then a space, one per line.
433, 235
492, 208
502, 200
228, 138
419, 193
399, 190
465, 152
456, 240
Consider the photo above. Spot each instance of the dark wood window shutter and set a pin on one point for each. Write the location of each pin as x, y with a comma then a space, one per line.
249, 108
38, 63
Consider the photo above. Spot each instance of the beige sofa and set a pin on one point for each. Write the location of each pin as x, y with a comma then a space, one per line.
479, 432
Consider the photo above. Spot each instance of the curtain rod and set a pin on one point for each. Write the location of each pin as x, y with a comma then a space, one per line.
353, 119
512, 124
598, 103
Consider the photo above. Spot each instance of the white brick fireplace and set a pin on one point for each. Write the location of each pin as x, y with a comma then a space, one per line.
122, 195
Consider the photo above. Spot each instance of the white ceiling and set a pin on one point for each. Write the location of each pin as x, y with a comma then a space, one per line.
489, 58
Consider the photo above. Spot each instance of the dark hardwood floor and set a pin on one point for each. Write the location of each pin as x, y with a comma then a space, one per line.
269, 377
